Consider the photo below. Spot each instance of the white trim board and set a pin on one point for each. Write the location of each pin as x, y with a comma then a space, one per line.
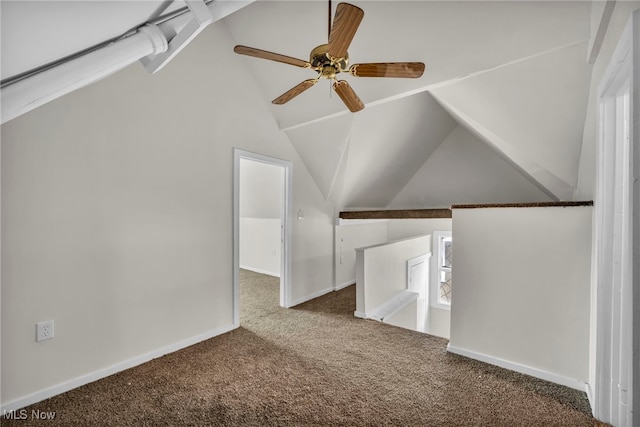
344, 285
259, 270
312, 296
589, 391
615, 348
322, 292
110, 370
523, 369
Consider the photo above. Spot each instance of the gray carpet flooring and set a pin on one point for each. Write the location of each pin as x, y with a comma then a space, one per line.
315, 365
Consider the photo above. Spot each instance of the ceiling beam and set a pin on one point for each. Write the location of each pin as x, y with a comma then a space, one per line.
149, 40
595, 44
37, 89
397, 214
201, 18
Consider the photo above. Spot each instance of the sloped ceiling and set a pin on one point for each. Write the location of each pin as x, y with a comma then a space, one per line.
511, 73
322, 149
37, 33
532, 110
514, 74
465, 170
454, 39
389, 143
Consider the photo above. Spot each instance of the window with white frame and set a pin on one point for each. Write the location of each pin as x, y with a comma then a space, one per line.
441, 272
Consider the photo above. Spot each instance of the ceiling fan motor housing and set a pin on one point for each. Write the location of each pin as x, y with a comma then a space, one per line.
329, 67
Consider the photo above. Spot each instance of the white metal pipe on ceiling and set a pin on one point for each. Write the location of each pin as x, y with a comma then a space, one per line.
150, 40
40, 88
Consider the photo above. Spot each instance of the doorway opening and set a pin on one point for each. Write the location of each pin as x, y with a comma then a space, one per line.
261, 221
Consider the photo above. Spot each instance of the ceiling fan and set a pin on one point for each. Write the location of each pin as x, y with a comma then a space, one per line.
332, 58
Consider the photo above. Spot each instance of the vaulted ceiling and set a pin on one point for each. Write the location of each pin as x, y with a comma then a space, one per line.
497, 116
514, 74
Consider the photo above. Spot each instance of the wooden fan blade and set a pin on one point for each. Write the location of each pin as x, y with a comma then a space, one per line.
411, 70
348, 96
293, 92
259, 53
345, 25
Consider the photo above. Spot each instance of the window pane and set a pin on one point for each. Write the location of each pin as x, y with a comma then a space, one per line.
445, 287
446, 243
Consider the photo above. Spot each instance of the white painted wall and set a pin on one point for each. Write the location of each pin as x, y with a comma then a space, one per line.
522, 289
350, 237
463, 169
439, 319
347, 239
405, 318
383, 270
117, 214
361, 234
261, 201
260, 245
439, 322
402, 228
261, 187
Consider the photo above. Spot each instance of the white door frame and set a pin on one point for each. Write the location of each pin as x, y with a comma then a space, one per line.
285, 229
615, 388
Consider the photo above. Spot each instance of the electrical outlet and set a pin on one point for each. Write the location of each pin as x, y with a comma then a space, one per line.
44, 330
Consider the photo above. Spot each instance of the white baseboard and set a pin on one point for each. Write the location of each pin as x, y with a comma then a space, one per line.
359, 314
345, 284
259, 270
110, 370
591, 399
523, 369
320, 293
310, 297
